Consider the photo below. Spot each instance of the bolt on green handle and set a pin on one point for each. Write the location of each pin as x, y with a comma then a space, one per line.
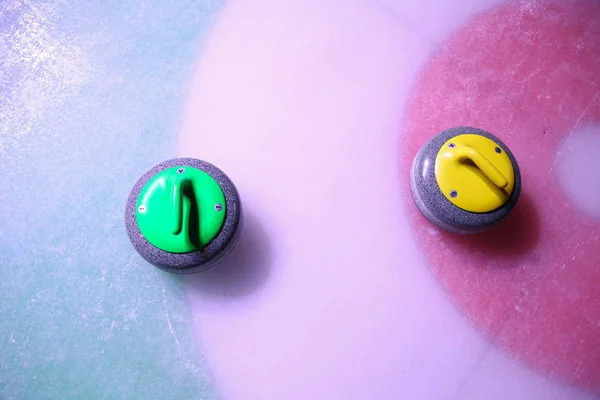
181, 209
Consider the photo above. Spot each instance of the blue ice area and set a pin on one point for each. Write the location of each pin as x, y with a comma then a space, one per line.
91, 94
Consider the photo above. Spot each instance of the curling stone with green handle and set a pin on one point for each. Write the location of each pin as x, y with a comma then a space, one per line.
183, 215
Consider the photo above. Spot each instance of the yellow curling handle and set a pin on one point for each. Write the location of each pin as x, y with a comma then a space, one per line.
474, 173
466, 154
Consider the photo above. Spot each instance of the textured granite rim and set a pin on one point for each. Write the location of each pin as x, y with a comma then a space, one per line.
435, 206
196, 261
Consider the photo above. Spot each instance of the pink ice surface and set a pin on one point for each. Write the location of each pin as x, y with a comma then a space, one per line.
327, 295
530, 73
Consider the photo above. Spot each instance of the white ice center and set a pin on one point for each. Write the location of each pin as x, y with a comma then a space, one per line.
578, 169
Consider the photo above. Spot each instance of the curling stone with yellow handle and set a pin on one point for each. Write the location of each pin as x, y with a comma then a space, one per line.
464, 180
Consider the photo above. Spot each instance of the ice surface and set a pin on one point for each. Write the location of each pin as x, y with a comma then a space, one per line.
527, 71
578, 168
306, 106
330, 294
89, 99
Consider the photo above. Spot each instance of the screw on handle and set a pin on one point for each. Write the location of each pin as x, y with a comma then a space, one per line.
465, 154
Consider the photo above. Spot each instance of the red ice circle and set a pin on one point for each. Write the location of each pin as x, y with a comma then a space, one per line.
528, 72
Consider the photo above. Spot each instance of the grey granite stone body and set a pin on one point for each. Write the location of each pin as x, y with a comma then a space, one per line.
436, 207
196, 261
